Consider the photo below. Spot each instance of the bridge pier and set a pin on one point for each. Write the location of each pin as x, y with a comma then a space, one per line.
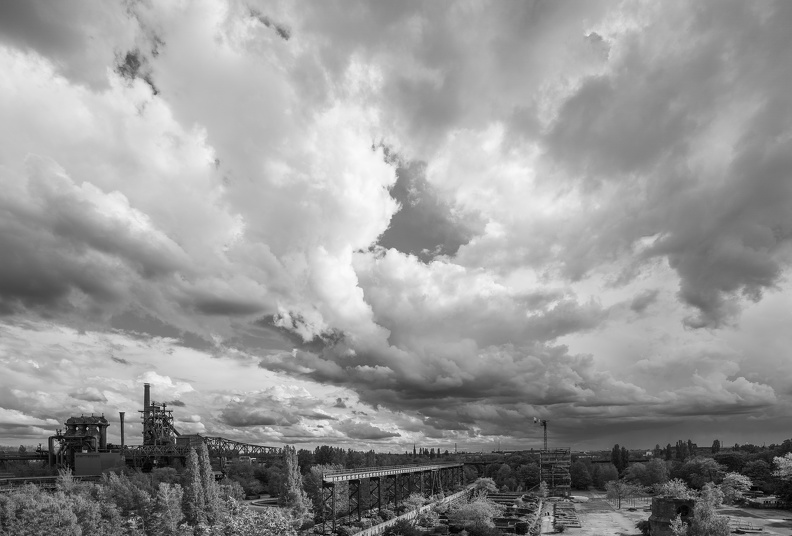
375, 488
354, 499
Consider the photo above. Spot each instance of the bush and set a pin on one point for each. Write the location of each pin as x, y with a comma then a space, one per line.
521, 527
643, 526
402, 528
387, 514
346, 530
560, 528
483, 530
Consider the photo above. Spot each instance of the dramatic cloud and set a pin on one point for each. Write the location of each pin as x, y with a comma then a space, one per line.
357, 224
424, 226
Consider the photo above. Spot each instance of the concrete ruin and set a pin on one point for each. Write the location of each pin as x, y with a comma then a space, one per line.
665, 510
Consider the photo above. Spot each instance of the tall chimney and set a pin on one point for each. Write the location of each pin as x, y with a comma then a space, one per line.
146, 406
121, 414
146, 397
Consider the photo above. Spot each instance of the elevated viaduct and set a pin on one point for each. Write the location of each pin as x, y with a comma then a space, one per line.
378, 487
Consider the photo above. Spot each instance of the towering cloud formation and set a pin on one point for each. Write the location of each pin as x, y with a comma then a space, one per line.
581, 212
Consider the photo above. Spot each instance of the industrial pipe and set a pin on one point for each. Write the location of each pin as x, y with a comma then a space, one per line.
121, 414
51, 451
146, 405
146, 397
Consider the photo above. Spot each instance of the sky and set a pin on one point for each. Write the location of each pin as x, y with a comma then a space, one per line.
380, 224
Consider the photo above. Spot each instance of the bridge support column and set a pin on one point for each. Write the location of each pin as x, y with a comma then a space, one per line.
406, 485
375, 493
354, 499
328, 505
391, 490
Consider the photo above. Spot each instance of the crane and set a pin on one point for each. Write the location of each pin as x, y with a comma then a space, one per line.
543, 424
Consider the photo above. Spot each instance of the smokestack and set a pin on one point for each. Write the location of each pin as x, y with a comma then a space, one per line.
121, 414
146, 397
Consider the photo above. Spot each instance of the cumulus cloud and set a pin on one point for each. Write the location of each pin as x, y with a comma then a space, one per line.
643, 300
89, 394
208, 183
424, 226
363, 430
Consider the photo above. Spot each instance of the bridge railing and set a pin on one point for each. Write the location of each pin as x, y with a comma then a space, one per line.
337, 475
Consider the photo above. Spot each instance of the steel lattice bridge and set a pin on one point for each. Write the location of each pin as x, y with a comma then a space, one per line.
218, 447
377, 487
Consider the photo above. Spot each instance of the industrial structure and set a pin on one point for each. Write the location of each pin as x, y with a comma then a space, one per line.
665, 510
554, 466
377, 487
83, 447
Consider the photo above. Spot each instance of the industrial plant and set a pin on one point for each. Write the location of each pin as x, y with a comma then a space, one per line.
82, 445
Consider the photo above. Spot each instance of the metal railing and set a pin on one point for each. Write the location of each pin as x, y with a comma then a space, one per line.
338, 475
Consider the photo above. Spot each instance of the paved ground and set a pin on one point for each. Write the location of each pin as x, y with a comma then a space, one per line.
601, 518
771, 520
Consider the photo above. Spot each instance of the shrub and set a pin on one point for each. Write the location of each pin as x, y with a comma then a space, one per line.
483, 530
643, 526
521, 527
560, 528
402, 528
387, 514
346, 530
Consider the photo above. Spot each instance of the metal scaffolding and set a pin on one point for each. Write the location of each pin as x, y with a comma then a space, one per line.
554, 465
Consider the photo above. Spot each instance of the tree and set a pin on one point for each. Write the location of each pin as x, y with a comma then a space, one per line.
624, 456
616, 457
605, 473
716, 446
734, 485
668, 454
292, 495
682, 450
581, 479
757, 470
194, 498
705, 522
504, 476
675, 488
783, 466
414, 502
168, 513
783, 471
656, 472
483, 486
312, 484
31, 512
637, 474
528, 475
212, 504
244, 521
699, 470
678, 527
619, 489
477, 513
